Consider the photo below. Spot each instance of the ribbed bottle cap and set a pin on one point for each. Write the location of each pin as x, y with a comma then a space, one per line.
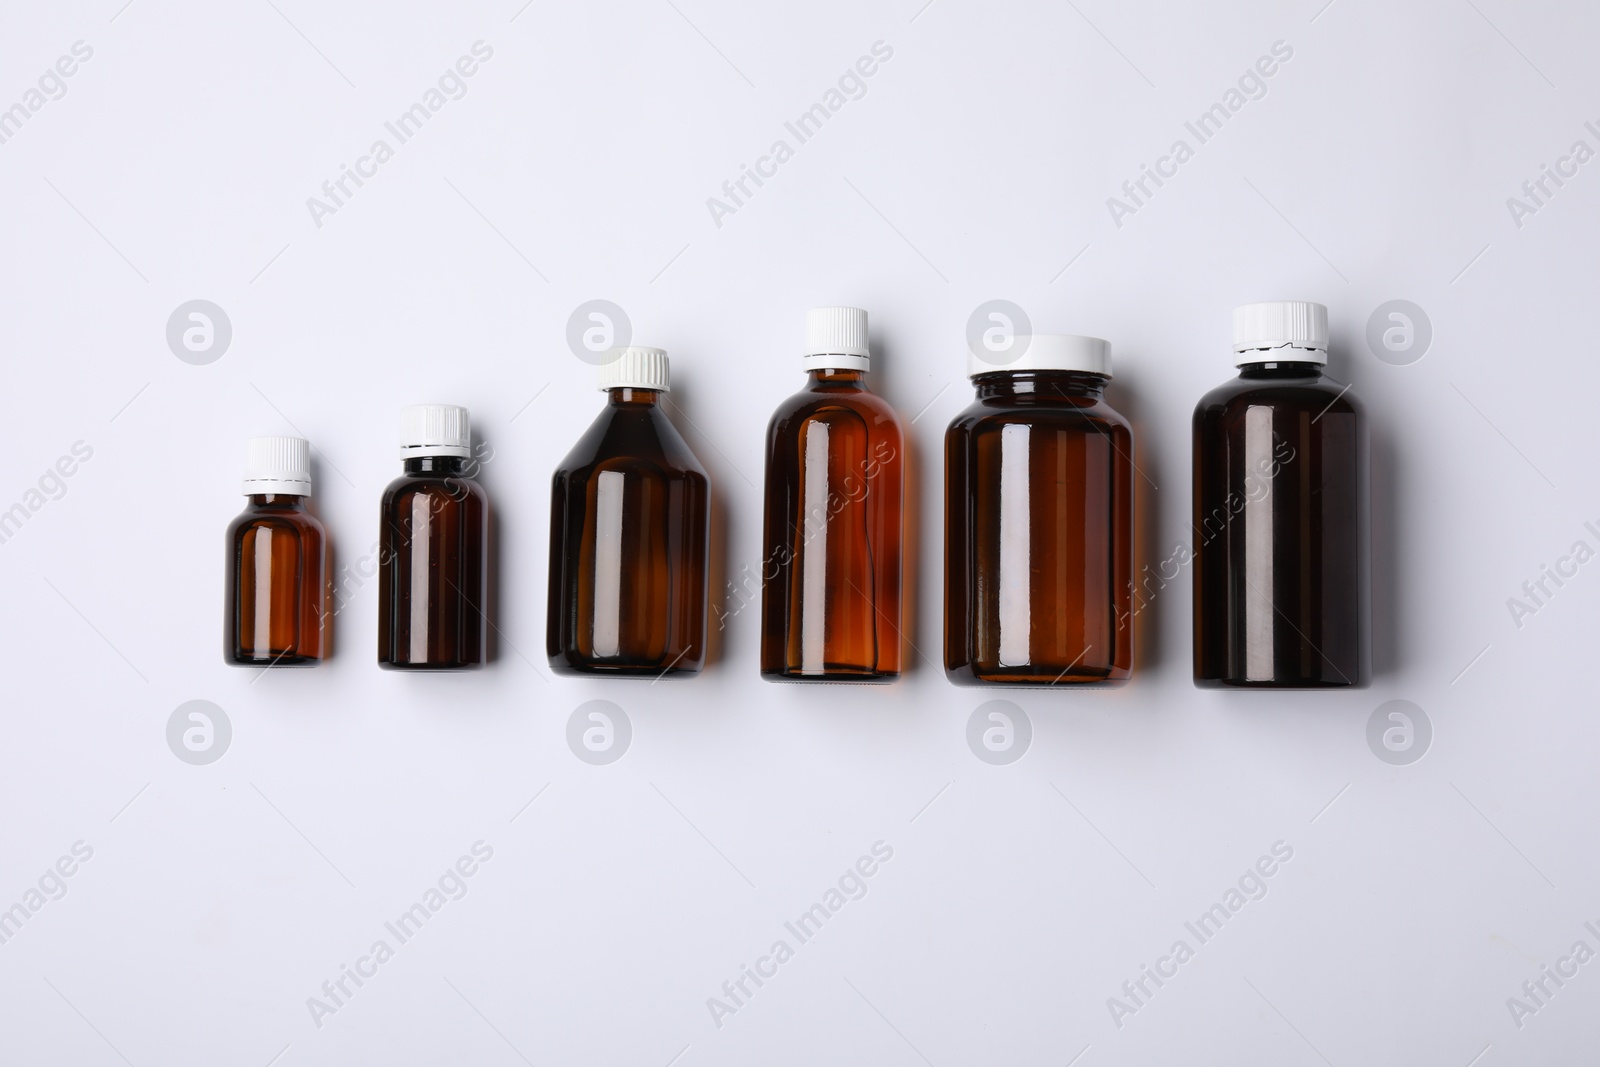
1049, 351
636, 368
836, 338
1298, 327
435, 430
277, 465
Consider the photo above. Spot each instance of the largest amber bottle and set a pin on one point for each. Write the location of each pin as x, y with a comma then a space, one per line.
630, 507
834, 518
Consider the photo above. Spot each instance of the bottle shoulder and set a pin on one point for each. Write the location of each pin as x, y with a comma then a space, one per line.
642, 438
872, 409
457, 487
1320, 394
299, 522
986, 412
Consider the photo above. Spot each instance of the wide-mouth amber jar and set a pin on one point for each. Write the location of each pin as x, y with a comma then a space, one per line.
1039, 523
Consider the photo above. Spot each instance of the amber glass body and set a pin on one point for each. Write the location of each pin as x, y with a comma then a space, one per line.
1280, 531
1038, 543
433, 551
833, 533
630, 510
277, 585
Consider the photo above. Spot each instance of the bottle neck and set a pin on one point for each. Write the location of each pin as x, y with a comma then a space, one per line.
436, 464
278, 501
1280, 369
633, 398
1040, 384
832, 378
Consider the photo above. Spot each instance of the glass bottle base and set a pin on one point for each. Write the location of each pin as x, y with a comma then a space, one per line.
295, 660
857, 675
620, 670
419, 667
1032, 678
1285, 683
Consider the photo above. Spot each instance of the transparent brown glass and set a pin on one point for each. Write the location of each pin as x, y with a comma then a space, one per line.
1038, 534
277, 585
630, 510
830, 593
433, 550
1280, 498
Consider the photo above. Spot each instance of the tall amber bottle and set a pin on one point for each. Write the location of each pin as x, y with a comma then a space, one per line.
433, 548
1038, 505
830, 594
277, 563
1280, 512
630, 508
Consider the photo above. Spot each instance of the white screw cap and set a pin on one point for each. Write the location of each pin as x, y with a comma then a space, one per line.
836, 338
278, 465
1280, 331
435, 430
1049, 351
635, 367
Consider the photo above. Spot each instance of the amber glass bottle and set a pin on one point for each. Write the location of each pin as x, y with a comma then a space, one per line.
277, 562
630, 508
1280, 512
830, 594
433, 548
1038, 514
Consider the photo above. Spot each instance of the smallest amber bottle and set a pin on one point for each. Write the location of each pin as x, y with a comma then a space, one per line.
277, 562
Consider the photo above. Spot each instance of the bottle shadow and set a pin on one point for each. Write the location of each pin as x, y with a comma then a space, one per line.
1155, 574
480, 468
328, 609
679, 403
1381, 566
883, 380
1384, 495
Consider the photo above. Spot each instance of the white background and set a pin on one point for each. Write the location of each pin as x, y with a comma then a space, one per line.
978, 164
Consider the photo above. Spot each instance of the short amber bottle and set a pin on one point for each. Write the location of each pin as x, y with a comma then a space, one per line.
433, 548
630, 510
833, 529
1280, 499
277, 563
1039, 521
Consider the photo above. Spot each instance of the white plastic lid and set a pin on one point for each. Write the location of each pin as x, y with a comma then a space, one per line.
280, 465
1280, 331
435, 430
636, 368
1049, 351
836, 338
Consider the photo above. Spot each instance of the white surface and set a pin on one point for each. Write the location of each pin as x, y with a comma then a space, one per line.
977, 165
